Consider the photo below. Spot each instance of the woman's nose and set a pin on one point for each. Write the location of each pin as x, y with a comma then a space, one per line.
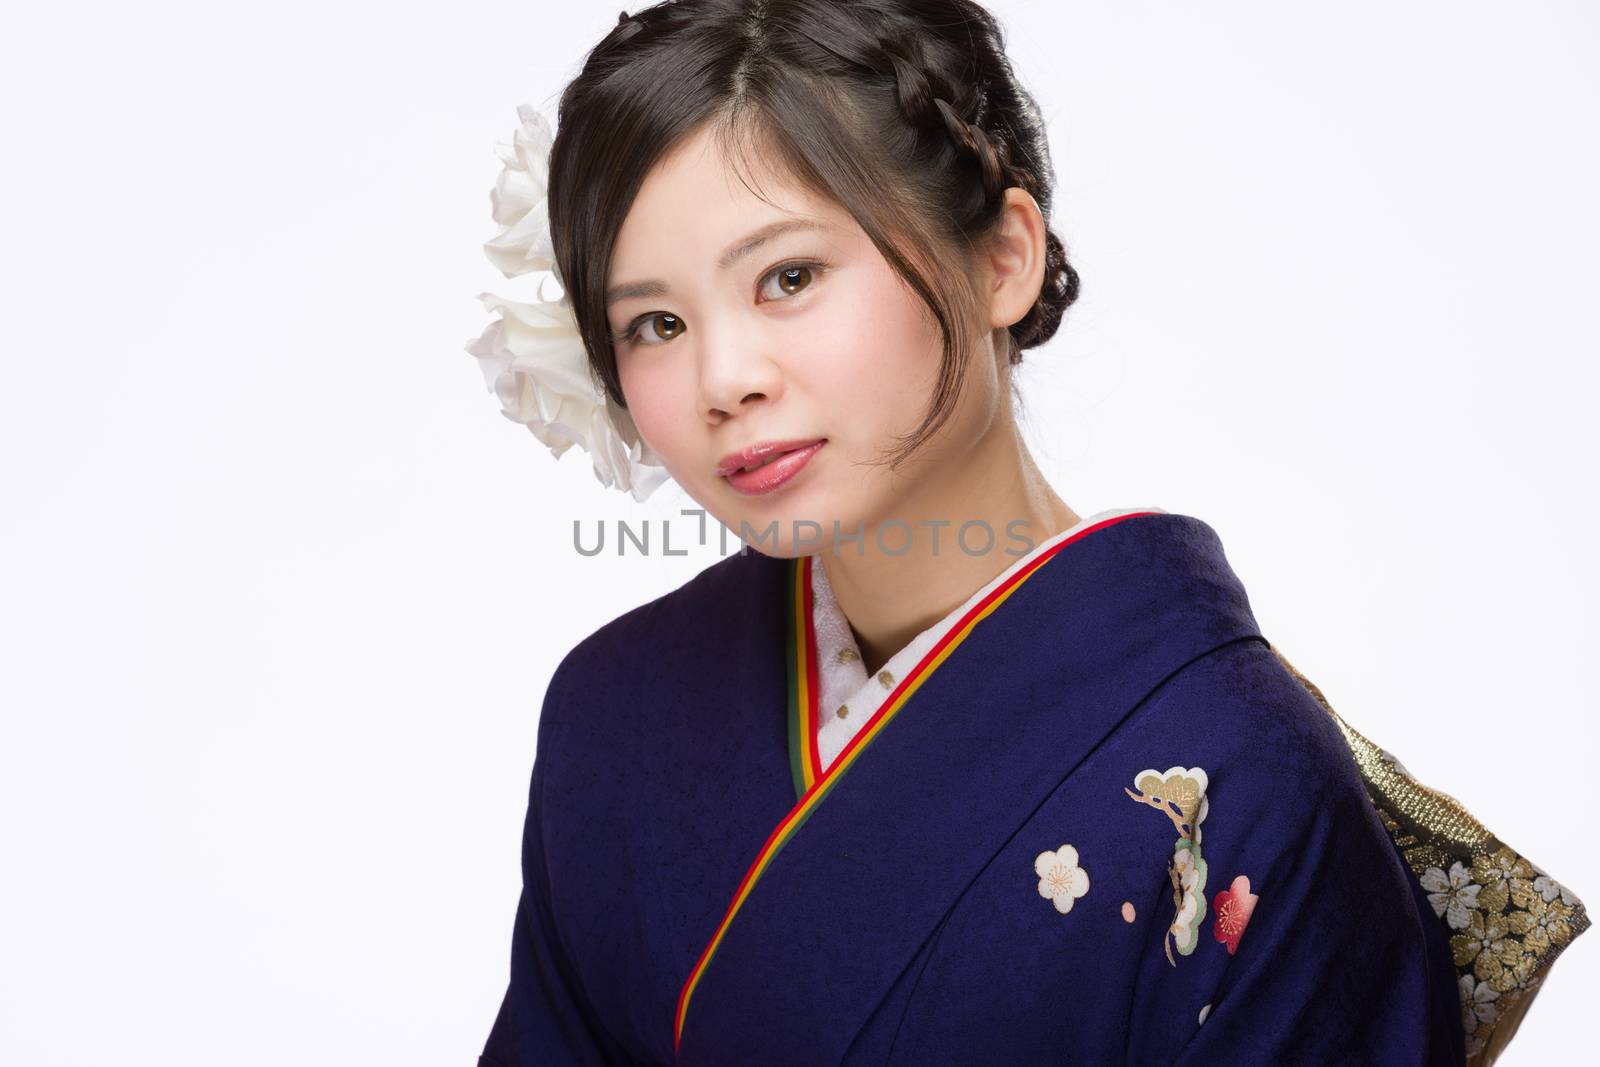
736, 372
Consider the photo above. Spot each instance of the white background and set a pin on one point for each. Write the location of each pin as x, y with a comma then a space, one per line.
282, 590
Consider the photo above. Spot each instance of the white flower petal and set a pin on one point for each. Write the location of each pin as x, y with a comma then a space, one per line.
1061, 880
532, 356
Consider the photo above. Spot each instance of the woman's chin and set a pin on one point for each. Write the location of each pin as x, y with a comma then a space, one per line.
790, 525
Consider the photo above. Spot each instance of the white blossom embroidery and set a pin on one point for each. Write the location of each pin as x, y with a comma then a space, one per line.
1061, 880
1452, 895
1548, 889
1477, 1002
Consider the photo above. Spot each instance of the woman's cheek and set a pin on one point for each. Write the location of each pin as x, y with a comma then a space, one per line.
837, 349
879, 359
659, 413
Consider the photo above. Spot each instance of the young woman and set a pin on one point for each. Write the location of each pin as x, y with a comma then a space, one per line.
943, 773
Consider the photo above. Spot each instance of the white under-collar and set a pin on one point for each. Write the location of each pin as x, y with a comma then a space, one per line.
847, 698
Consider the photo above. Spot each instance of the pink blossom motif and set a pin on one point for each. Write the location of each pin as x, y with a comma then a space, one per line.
1232, 907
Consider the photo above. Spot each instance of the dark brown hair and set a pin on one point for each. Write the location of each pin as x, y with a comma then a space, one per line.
906, 113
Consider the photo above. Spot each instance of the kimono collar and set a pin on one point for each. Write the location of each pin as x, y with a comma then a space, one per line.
846, 697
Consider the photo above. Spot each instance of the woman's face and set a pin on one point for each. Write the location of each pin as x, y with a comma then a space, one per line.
808, 335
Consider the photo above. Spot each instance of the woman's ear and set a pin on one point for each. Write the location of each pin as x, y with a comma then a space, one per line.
1016, 259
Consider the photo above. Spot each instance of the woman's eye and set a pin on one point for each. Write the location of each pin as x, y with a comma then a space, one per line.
671, 327
791, 279
660, 327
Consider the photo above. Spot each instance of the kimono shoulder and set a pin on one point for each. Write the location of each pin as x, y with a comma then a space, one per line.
639, 725
1195, 891
668, 668
1302, 878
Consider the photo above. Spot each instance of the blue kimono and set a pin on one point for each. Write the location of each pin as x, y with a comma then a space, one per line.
1152, 843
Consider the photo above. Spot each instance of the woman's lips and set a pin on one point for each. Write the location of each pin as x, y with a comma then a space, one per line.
774, 473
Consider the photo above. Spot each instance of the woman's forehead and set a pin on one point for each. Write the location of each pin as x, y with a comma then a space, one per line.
714, 163
699, 201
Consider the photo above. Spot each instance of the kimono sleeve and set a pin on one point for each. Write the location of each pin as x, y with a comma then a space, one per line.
545, 1016
1297, 935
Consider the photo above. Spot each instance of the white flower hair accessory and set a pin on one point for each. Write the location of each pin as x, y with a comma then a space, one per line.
532, 356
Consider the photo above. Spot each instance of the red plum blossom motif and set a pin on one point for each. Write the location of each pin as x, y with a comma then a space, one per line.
1233, 907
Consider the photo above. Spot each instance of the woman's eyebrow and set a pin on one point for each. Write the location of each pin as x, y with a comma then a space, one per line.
735, 252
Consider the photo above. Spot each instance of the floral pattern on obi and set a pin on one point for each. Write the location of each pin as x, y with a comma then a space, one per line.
1501, 945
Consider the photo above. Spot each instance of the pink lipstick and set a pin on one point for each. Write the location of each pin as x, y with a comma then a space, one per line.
764, 467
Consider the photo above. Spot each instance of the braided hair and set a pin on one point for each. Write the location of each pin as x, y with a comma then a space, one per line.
905, 112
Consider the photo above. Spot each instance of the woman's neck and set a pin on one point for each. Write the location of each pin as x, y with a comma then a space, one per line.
890, 599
